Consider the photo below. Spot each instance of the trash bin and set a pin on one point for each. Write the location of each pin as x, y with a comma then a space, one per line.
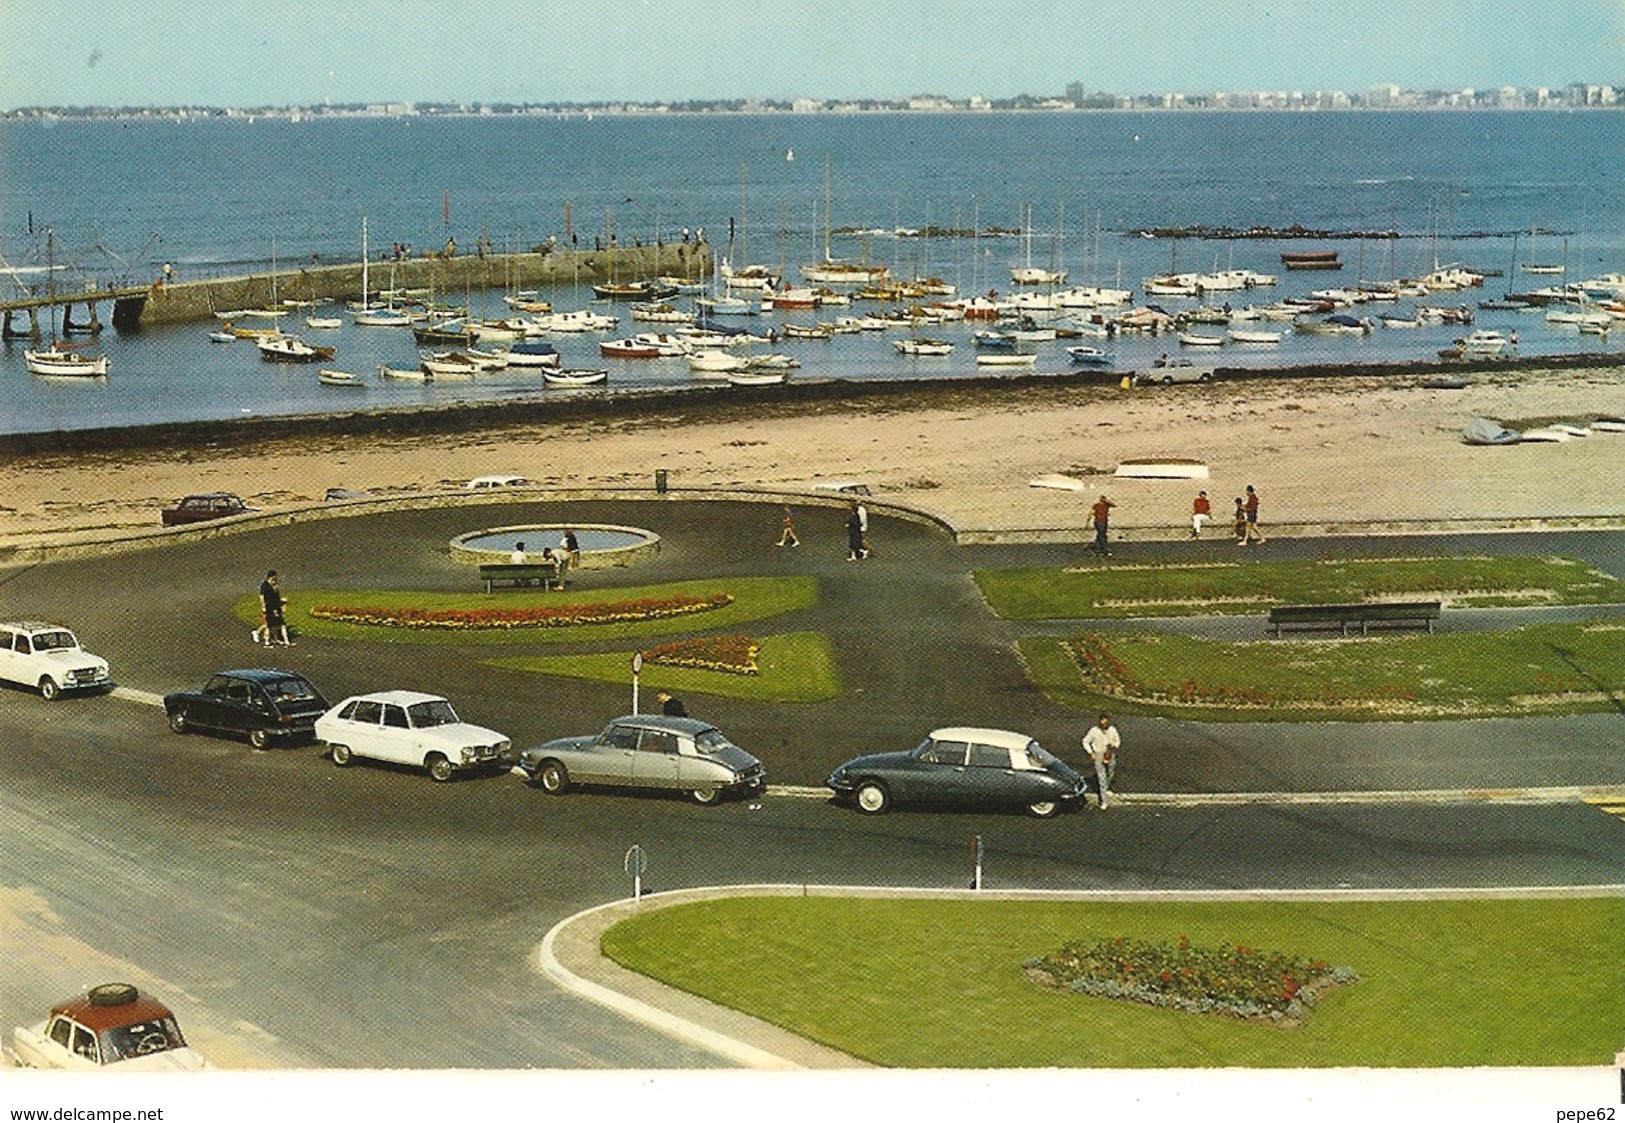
660, 479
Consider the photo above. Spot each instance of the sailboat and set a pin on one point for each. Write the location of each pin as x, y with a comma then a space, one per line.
1030, 274
832, 272
366, 314
1536, 267
57, 359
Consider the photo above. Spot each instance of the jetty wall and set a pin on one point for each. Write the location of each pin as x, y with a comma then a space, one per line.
448, 277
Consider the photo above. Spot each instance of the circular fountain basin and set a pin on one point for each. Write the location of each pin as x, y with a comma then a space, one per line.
602, 545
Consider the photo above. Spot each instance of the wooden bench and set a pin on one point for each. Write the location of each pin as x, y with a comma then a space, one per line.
521, 573
1393, 613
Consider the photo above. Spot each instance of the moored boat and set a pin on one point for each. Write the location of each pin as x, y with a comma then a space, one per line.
329, 377
58, 361
575, 377
1090, 356
923, 346
291, 349
1006, 359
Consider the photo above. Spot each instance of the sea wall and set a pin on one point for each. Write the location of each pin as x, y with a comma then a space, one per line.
448, 277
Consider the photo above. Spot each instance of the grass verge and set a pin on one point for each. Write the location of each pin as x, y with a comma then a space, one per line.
1540, 669
755, 598
793, 667
1235, 588
938, 984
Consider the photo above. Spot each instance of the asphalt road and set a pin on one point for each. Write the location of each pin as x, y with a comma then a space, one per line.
366, 917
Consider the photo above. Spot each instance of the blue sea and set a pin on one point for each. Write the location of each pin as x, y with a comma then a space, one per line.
220, 197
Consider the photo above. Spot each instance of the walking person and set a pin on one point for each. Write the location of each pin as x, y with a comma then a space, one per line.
787, 536
1101, 514
1250, 509
1101, 743
273, 619
670, 705
1240, 520
1201, 512
854, 534
863, 529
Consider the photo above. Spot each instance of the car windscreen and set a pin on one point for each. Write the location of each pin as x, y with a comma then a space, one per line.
54, 641
1039, 756
157, 1036
290, 690
711, 741
427, 715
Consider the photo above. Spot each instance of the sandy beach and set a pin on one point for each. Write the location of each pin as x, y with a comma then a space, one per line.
1323, 453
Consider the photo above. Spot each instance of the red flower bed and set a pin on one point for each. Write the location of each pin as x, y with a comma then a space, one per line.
538, 616
734, 655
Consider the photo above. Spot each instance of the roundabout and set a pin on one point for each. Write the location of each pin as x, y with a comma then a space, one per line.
601, 546
364, 878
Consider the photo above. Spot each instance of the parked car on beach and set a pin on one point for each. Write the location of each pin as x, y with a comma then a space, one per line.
647, 751
260, 703
203, 508
1167, 372
406, 727
110, 1025
486, 483
48, 658
964, 766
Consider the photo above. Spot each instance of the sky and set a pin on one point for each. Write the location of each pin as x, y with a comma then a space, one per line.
285, 52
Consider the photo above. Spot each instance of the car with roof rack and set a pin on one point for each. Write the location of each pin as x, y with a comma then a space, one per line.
113, 1025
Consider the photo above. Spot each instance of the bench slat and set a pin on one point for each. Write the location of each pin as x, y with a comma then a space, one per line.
1342, 615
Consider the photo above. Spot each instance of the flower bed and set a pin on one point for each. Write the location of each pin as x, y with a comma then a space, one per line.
535, 616
1238, 982
1106, 673
734, 655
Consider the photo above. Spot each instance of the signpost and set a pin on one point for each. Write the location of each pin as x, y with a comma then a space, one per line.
635, 862
976, 856
637, 666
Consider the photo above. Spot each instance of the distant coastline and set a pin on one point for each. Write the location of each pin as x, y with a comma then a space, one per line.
1382, 98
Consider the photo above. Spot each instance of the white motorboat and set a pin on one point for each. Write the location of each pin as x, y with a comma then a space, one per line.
291, 349
1197, 339
756, 377
57, 361
568, 378
1483, 342
329, 377
1253, 335
923, 346
715, 362
404, 374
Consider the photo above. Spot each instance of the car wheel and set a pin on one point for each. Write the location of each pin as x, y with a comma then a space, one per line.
259, 738
440, 769
552, 777
1167, 380
177, 721
1205, 378
1043, 809
341, 754
49, 690
872, 797
706, 796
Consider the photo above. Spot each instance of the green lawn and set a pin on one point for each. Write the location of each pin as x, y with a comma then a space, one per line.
755, 598
1236, 588
794, 667
938, 984
1539, 669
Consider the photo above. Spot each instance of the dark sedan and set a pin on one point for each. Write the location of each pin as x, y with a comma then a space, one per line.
260, 703
202, 508
984, 767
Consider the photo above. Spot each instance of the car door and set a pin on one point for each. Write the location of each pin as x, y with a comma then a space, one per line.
992, 778
937, 774
361, 727
394, 739
210, 708
657, 763
9, 669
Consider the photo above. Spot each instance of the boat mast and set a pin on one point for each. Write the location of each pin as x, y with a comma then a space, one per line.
366, 300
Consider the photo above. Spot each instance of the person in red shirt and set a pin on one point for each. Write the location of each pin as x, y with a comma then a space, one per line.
1251, 508
1101, 513
1201, 511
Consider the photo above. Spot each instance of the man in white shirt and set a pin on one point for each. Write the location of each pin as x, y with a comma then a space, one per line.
518, 555
1101, 743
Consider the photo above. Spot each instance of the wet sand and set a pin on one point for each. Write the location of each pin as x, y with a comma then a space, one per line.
1332, 451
